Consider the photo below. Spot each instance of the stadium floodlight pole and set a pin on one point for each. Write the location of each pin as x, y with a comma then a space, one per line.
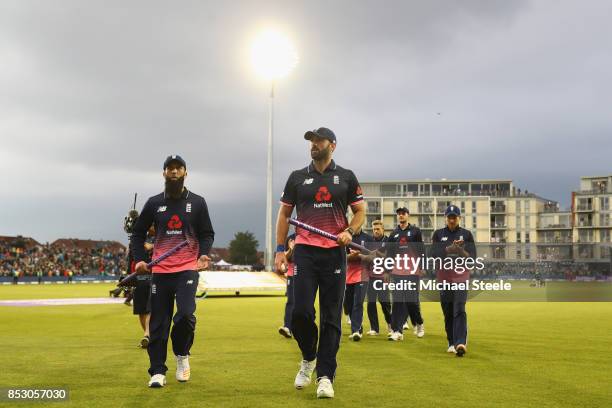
273, 57
269, 256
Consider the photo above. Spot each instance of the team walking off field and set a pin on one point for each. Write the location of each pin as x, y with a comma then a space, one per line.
328, 256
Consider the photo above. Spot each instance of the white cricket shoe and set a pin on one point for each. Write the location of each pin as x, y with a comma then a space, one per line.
406, 325
372, 333
325, 388
355, 336
285, 332
157, 381
303, 377
183, 372
420, 330
396, 336
451, 349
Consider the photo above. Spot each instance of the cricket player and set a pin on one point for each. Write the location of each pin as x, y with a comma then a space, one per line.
453, 241
321, 194
357, 284
382, 295
285, 329
405, 239
178, 215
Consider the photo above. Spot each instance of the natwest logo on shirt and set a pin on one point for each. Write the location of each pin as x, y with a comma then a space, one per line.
174, 225
323, 197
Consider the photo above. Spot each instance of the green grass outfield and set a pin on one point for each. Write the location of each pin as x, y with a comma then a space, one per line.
520, 354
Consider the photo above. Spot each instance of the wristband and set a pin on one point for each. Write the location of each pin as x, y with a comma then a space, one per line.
280, 248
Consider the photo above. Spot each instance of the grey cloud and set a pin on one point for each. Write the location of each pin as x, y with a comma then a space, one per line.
95, 95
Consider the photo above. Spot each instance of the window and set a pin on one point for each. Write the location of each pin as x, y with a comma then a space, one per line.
527, 238
518, 237
373, 206
585, 236
424, 207
604, 203
474, 206
463, 207
527, 222
424, 221
387, 190
474, 225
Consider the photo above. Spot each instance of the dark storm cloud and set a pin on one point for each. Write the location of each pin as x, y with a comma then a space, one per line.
96, 94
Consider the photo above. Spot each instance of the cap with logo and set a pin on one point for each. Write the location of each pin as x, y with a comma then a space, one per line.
452, 210
321, 132
174, 158
402, 209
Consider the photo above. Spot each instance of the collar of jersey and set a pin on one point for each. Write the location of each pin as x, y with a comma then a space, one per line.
332, 166
184, 195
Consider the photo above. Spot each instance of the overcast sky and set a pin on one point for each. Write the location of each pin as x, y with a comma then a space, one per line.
94, 96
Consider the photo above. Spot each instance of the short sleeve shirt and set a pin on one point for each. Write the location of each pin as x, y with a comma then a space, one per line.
321, 200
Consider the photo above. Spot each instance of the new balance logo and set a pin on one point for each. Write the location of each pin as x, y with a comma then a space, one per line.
190, 282
308, 181
337, 271
188, 208
153, 289
161, 208
336, 180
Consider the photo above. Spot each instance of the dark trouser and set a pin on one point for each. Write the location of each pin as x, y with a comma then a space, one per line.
414, 312
353, 297
455, 318
289, 304
405, 303
164, 288
347, 304
383, 297
323, 269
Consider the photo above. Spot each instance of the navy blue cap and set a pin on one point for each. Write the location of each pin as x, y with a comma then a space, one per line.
174, 158
452, 210
402, 209
321, 132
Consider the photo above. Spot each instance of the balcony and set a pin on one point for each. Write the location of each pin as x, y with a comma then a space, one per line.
584, 208
373, 209
498, 225
441, 209
584, 224
425, 210
557, 240
554, 226
498, 209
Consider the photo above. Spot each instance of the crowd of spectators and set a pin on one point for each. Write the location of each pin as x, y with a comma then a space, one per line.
61, 258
